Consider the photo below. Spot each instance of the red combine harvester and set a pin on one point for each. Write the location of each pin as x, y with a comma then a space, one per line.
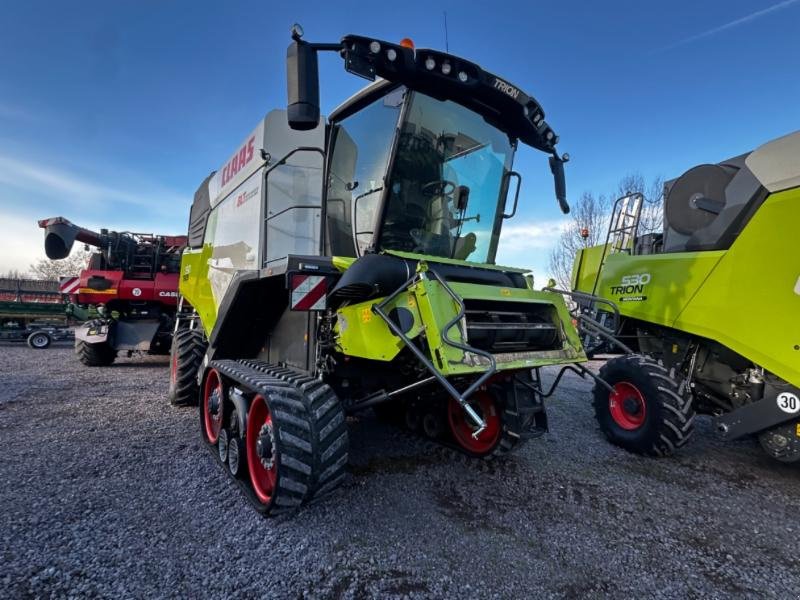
132, 280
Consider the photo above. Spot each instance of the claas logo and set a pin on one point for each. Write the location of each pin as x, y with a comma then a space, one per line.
240, 159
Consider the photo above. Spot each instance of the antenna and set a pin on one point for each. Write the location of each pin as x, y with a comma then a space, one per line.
446, 44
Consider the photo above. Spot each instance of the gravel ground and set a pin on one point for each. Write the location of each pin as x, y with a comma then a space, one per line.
106, 491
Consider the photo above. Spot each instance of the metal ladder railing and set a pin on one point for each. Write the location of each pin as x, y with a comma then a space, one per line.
624, 223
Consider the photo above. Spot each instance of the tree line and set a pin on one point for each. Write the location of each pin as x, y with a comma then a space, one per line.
589, 219
52, 270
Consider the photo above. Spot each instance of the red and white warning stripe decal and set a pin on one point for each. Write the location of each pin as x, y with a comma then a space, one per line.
68, 285
308, 292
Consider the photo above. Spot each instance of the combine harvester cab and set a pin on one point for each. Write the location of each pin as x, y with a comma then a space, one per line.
343, 265
712, 301
131, 282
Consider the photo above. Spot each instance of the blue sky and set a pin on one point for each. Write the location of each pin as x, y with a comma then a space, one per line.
112, 113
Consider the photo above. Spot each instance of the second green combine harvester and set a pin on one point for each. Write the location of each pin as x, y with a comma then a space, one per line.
340, 265
711, 303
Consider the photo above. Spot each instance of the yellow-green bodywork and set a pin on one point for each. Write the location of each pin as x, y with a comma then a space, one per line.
362, 333
195, 286
746, 298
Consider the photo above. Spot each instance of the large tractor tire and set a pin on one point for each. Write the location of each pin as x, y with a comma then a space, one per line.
186, 356
101, 354
648, 412
295, 440
39, 340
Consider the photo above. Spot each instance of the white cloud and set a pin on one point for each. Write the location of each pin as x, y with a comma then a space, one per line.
22, 243
531, 235
30, 191
735, 23
84, 192
527, 244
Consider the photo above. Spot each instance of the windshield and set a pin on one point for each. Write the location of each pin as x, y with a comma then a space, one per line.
361, 146
444, 190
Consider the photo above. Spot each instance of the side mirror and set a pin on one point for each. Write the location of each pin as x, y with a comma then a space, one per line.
557, 168
302, 79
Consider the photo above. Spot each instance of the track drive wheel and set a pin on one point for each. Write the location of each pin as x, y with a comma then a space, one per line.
186, 356
510, 422
212, 408
648, 411
100, 354
295, 455
463, 428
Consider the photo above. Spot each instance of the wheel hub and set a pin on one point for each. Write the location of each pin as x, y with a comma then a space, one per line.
265, 446
631, 406
627, 406
214, 403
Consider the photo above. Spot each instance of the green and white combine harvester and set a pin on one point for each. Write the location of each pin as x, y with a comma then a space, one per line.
713, 302
341, 264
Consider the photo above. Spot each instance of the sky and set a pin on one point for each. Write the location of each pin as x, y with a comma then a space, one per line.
112, 113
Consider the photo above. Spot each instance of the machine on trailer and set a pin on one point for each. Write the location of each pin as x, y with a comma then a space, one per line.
712, 301
345, 264
132, 281
32, 310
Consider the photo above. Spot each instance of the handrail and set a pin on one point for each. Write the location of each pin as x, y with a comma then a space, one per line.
459, 397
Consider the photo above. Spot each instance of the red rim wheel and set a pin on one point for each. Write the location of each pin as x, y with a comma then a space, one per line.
462, 426
213, 395
262, 455
627, 406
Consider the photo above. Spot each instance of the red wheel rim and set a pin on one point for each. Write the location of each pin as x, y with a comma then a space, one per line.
627, 406
462, 427
262, 456
212, 405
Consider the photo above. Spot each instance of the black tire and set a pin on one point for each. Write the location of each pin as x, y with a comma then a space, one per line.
95, 355
664, 420
186, 356
512, 422
39, 340
309, 433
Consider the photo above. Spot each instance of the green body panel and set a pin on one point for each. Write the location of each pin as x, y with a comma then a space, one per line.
362, 333
673, 280
455, 261
195, 285
746, 298
33, 310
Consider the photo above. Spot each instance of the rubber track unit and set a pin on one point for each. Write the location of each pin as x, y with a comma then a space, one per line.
188, 348
666, 398
95, 355
312, 438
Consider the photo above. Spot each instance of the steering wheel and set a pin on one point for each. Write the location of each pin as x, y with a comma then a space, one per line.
441, 187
